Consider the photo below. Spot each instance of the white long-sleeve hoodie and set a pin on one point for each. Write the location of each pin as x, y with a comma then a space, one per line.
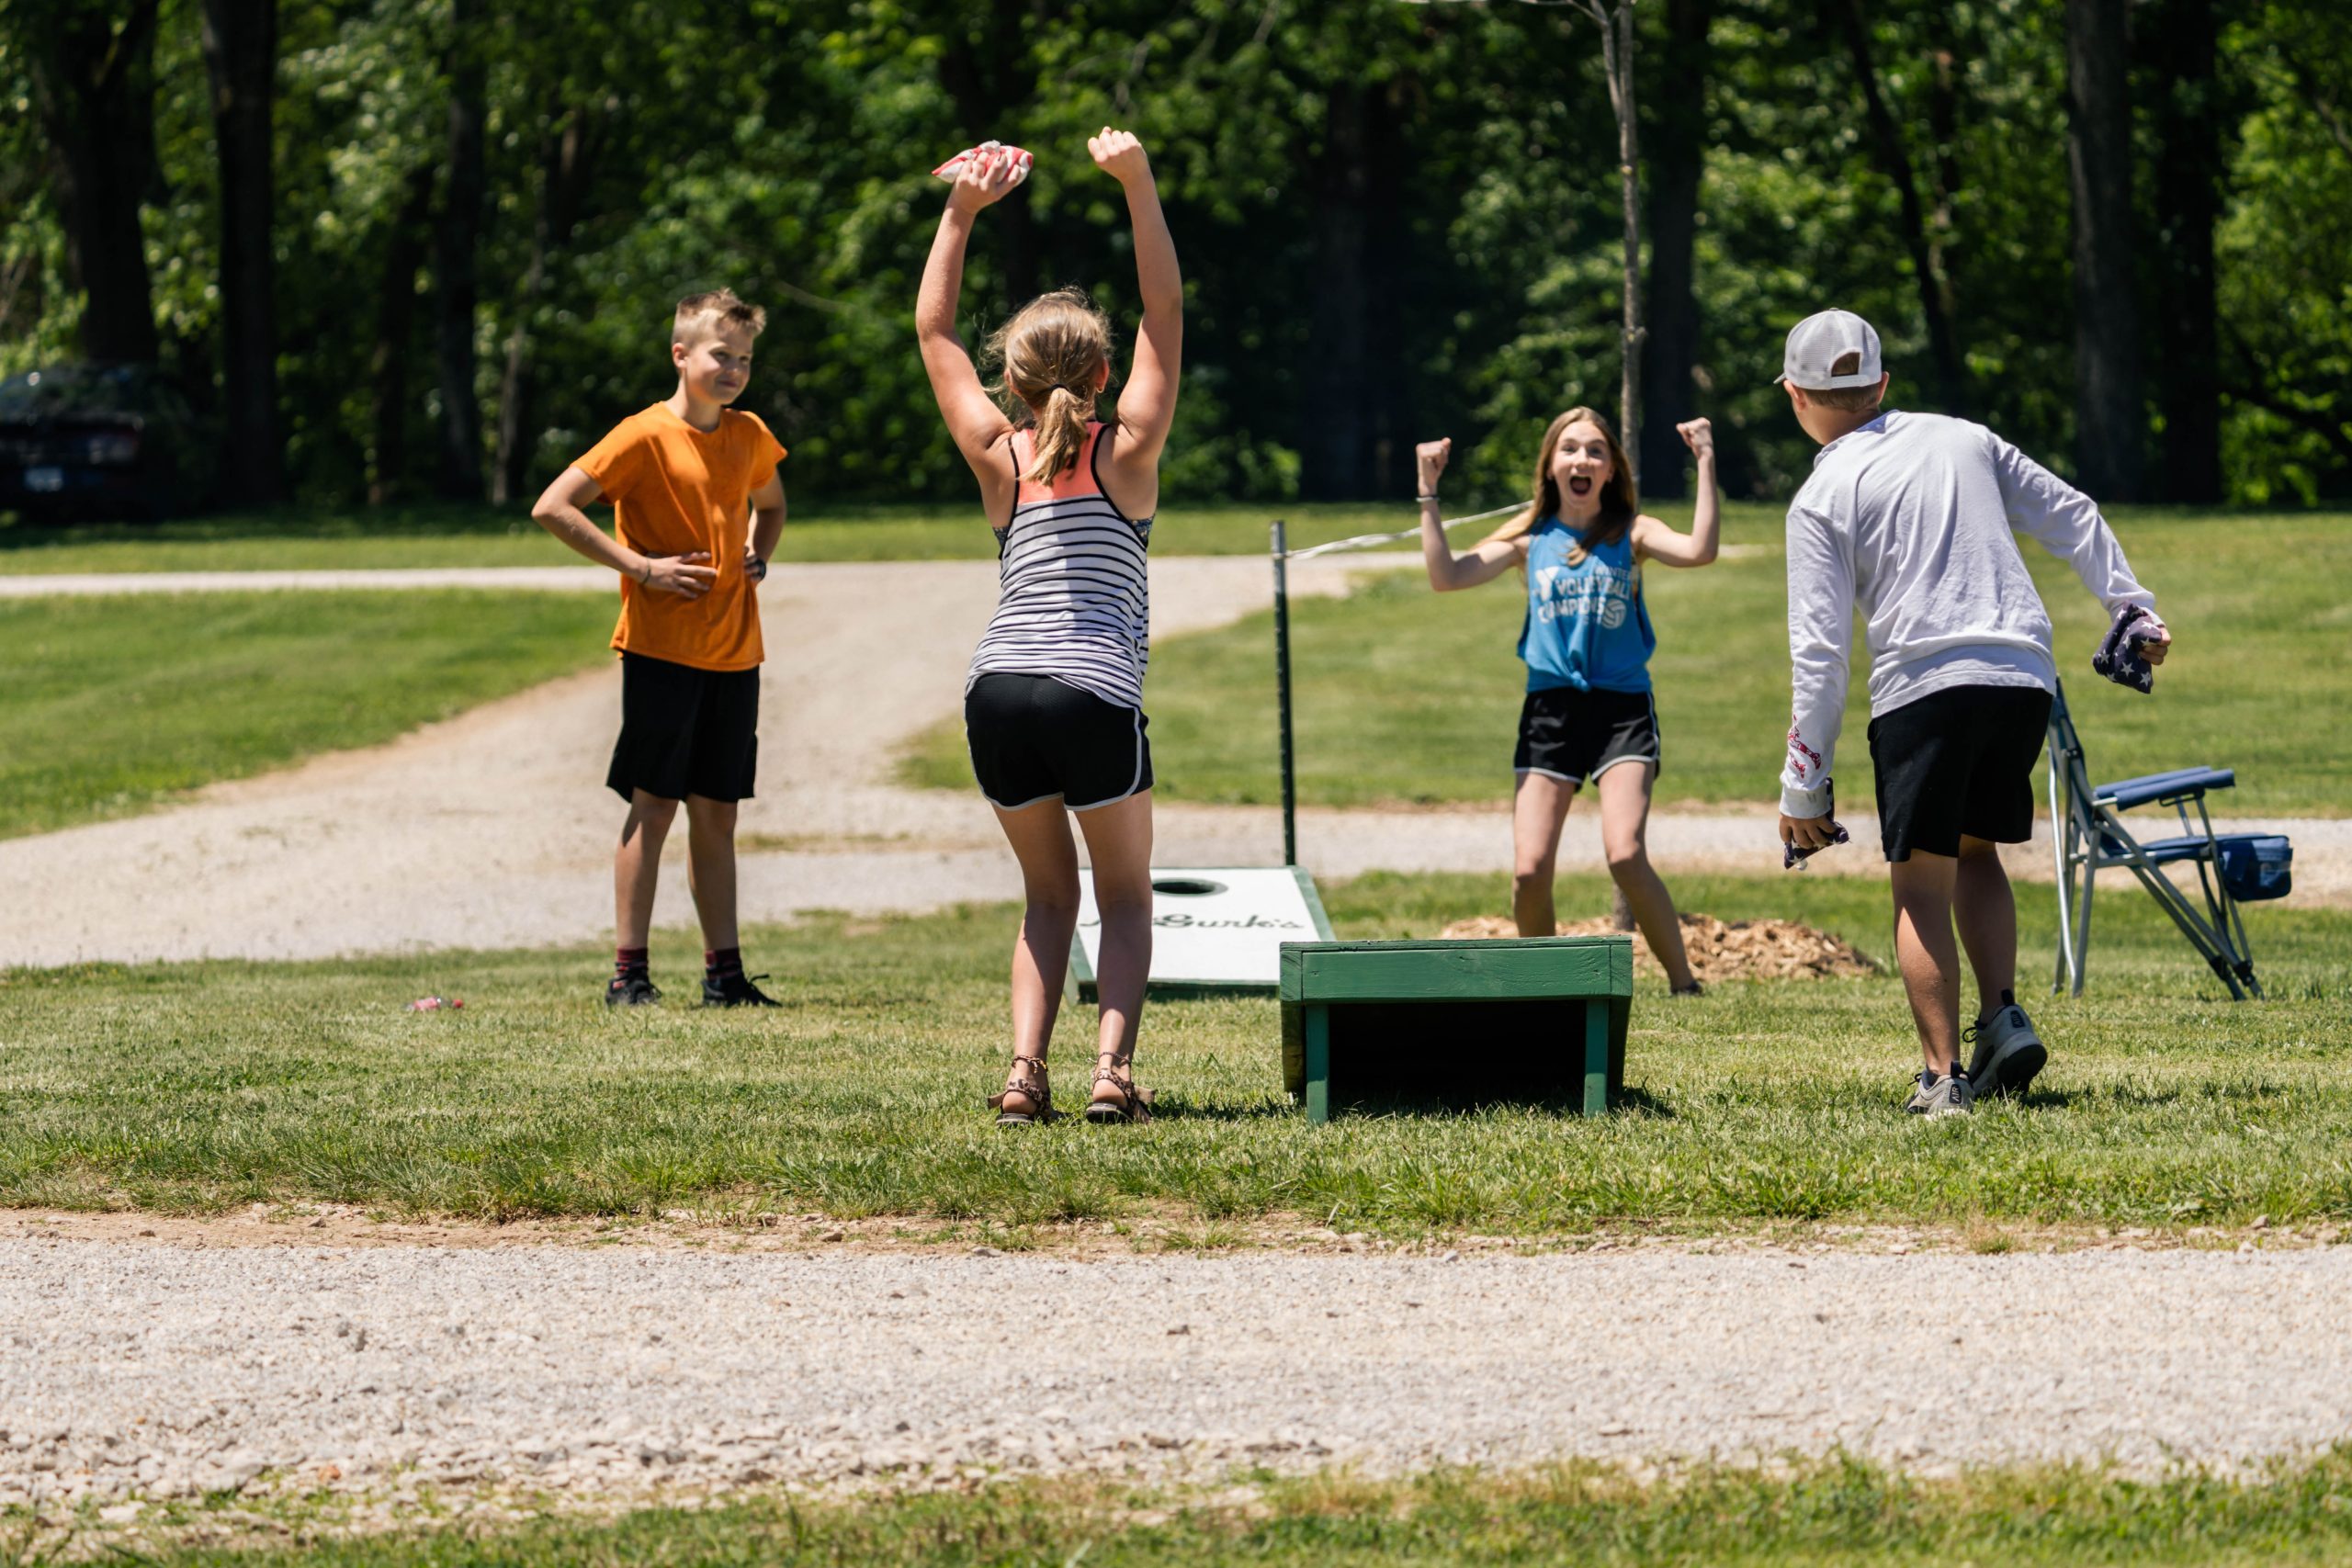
1910, 516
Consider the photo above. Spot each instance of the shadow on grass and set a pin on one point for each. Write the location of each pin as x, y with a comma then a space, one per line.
1566, 1104
1259, 1109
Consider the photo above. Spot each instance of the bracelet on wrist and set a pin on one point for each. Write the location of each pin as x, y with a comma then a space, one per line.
1425, 500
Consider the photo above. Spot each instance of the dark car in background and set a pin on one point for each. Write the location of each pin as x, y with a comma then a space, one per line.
101, 442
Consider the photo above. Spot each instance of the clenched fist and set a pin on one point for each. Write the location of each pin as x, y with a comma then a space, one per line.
1118, 155
1429, 458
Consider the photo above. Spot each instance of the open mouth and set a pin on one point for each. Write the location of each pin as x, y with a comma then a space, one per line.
1580, 484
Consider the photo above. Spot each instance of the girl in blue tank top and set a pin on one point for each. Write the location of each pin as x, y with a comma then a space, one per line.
1587, 642
1586, 626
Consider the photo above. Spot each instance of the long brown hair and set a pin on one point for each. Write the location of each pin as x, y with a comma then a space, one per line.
1052, 351
1620, 502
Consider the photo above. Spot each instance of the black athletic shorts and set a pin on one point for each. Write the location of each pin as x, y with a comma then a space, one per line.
1959, 761
1573, 735
1033, 738
685, 731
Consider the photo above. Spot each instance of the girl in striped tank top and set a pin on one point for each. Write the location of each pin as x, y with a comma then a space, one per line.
1053, 706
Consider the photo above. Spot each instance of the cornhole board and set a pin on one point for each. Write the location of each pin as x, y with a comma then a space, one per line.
1216, 930
1538, 1018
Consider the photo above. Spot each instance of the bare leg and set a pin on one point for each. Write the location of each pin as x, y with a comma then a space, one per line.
1929, 956
710, 868
1624, 792
637, 868
1118, 849
1538, 807
1988, 914
1039, 835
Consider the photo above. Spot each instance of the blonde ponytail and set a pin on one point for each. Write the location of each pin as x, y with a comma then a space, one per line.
1061, 432
1054, 352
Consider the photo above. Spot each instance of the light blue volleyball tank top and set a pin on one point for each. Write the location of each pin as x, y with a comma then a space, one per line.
1586, 625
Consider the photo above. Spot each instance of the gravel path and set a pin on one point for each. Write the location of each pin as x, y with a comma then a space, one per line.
161, 1367
494, 829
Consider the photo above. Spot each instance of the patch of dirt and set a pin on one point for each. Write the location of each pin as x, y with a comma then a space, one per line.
1719, 949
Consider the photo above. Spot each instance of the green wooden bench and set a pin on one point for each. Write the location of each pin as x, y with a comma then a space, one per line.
1533, 1018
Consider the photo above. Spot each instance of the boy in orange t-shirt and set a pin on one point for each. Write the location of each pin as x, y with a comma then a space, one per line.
698, 508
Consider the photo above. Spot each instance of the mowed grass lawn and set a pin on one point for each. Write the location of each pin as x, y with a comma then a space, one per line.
331, 539
1827, 1511
111, 706
188, 1087
1406, 696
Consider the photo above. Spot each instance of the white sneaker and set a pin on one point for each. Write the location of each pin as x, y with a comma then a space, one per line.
2009, 1053
1949, 1095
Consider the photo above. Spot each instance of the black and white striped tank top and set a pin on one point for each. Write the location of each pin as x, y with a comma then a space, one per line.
1074, 599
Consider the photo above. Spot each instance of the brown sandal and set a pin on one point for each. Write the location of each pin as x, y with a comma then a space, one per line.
1135, 1104
1032, 1087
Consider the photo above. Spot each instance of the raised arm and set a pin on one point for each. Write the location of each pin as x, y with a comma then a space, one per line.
1483, 562
1654, 540
1147, 402
973, 419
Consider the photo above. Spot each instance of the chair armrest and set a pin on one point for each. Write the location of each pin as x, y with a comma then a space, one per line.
2181, 783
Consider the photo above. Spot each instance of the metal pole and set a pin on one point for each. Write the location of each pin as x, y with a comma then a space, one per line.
1281, 691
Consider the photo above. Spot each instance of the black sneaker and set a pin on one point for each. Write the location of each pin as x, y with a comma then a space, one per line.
735, 991
631, 991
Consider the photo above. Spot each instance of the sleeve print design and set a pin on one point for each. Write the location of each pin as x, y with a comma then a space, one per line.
1804, 763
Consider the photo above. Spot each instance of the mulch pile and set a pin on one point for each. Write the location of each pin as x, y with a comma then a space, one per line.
1720, 950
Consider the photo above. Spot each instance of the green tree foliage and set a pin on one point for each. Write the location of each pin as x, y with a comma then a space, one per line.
1396, 221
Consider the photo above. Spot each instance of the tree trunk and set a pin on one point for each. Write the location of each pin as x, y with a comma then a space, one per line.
1333, 454
989, 77
2190, 172
1677, 160
1617, 57
94, 88
388, 367
2109, 403
456, 242
1895, 162
241, 56
566, 160
1389, 402
1945, 51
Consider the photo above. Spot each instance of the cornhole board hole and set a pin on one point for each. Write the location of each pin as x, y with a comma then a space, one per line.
1542, 1017
1216, 930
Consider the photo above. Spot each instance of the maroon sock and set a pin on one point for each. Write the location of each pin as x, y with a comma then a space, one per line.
630, 961
718, 963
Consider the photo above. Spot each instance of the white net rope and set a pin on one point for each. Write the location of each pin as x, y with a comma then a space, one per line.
1368, 541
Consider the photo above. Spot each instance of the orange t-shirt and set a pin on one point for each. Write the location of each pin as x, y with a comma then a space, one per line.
674, 490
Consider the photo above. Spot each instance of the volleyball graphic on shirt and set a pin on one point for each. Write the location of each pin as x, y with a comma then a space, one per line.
1613, 612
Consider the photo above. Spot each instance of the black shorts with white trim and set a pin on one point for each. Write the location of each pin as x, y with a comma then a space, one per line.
1573, 735
1035, 738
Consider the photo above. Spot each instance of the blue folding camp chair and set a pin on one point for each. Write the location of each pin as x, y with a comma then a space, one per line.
2088, 830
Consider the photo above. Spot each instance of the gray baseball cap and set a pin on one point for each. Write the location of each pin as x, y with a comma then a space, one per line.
1820, 340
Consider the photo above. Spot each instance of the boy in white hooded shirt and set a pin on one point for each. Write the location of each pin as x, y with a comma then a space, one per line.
1910, 516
